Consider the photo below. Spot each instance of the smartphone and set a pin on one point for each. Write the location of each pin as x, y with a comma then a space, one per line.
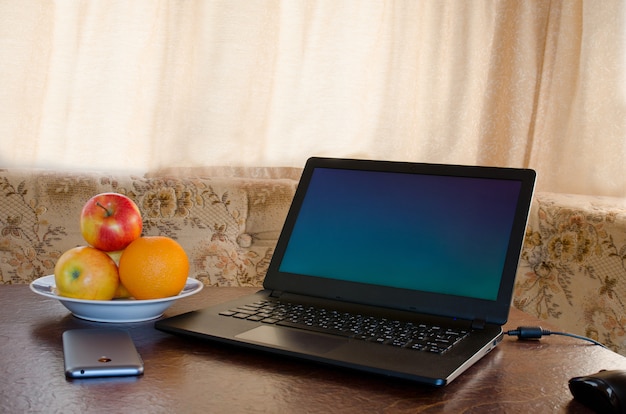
100, 352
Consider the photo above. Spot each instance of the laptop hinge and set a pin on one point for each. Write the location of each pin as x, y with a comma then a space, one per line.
276, 293
478, 324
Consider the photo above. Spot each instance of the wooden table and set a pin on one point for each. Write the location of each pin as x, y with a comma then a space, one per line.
187, 375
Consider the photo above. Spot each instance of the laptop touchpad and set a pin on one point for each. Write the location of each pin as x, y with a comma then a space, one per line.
291, 339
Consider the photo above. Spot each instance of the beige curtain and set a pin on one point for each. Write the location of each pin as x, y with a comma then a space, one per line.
147, 84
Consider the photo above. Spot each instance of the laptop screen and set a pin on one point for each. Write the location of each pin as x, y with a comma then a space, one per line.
429, 238
433, 233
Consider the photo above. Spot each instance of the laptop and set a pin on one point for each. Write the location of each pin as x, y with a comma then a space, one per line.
393, 268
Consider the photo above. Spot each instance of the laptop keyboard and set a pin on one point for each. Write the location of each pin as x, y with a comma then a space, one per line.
436, 339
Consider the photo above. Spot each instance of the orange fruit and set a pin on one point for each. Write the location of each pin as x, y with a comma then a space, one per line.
153, 267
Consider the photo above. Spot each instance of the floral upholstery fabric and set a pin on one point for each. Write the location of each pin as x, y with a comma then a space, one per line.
227, 225
573, 266
572, 270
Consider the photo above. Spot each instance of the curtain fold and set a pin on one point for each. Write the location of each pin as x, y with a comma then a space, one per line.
159, 84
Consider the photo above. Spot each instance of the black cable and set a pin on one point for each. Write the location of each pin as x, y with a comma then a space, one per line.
536, 332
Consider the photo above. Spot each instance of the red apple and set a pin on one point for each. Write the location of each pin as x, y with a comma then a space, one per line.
110, 221
86, 273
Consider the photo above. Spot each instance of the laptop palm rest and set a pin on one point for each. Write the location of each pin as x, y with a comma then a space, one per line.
293, 340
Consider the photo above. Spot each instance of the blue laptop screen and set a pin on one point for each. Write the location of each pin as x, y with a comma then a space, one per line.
439, 234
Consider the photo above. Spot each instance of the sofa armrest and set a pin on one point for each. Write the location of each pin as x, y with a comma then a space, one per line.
573, 266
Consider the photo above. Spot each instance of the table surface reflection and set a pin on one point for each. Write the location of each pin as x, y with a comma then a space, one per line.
190, 375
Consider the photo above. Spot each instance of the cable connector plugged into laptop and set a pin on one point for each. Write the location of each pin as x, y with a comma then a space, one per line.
528, 332
536, 332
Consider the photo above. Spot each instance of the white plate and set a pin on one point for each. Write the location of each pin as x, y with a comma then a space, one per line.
116, 310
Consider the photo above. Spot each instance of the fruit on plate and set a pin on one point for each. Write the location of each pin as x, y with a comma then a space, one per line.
110, 221
86, 273
119, 263
154, 267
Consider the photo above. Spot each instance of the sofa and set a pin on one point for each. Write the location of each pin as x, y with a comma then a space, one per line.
572, 271
226, 219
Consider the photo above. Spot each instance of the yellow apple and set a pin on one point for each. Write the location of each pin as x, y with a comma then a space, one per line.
86, 273
121, 292
115, 256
